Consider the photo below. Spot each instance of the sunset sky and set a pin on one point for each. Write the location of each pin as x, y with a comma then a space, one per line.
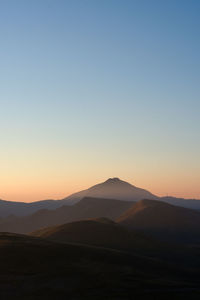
92, 89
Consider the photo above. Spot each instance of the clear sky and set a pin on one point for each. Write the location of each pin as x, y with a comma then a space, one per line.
97, 89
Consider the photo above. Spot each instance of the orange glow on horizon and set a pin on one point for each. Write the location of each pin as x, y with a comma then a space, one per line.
59, 190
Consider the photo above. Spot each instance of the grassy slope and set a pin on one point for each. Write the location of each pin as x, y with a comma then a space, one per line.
32, 268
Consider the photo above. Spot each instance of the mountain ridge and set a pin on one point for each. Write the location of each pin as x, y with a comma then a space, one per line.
86, 208
112, 188
166, 221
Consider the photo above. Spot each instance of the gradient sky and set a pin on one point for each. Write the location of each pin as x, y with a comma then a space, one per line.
97, 89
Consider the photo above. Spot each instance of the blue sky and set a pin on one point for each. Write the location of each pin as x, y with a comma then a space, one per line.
95, 89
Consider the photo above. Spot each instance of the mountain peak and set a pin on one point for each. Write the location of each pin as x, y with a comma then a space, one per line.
113, 188
113, 180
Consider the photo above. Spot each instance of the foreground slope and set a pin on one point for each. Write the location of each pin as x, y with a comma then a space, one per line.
32, 268
163, 220
86, 208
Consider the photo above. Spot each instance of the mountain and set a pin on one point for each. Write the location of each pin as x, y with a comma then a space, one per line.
84, 209
113, 188
163, 220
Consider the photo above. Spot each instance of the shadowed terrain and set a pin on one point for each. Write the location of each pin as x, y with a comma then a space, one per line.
99, 232
102, 249
163, 220
105, 233
33, 268
86, 208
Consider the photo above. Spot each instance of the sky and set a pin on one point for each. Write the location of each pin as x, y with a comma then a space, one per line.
92, 89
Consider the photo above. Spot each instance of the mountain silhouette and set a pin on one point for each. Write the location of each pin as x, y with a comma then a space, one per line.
163, 220
84, 209
113, 188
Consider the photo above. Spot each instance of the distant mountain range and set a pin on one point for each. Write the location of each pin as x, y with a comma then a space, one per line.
84, 209
22, 208
187, 203
113, 188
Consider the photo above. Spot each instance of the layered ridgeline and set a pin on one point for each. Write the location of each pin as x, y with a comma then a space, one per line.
100, 257
84, 209
113, 188
152, 217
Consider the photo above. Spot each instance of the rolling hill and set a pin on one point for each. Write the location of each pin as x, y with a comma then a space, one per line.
99, 232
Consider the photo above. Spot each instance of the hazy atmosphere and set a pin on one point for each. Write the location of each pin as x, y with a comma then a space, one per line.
99, 149
99, 89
